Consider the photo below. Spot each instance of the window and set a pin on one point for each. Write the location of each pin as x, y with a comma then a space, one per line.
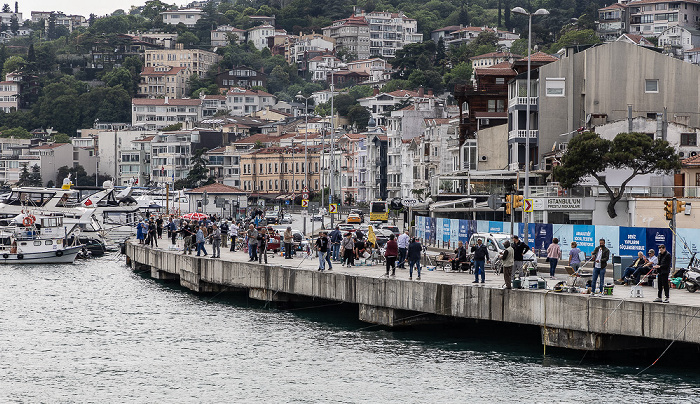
500, 80
555, 87
697, 179
689, 139
651, 86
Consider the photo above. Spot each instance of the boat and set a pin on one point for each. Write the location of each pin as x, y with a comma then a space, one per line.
32, 240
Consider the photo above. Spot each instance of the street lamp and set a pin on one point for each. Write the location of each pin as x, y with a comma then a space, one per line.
332, 68
306, 137
526, 190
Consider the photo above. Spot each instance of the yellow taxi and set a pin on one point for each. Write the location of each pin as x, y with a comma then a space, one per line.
354, 218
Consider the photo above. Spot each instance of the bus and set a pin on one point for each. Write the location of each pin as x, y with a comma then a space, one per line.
379, 211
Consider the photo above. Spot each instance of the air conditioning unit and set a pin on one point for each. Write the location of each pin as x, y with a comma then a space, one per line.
681, 154
693, 154
484, 158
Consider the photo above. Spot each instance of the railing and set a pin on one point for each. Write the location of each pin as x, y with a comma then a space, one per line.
521, 101
522, 134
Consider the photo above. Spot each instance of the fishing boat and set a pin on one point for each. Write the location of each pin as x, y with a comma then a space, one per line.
37, 240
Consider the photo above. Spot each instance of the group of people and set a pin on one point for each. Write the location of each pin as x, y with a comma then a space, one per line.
404, 248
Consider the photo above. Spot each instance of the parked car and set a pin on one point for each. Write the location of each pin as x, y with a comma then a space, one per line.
353, 218
492, 241
393, 229
286, 219
318, 217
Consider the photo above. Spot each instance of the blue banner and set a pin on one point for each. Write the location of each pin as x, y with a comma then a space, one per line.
565, 234
495, 227
656, 236
454, 232
446, 233
611, 234
584, 236
464, 231
531, 231
632, 240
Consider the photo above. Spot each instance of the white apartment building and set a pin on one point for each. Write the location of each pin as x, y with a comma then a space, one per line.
493, 58
258, 35
211, 104
381, 103
164, 81
308, 43
69, 21
171, 153
390, 32
134, 162
6, 18
197, 61
379, 70
468, 34
12, 159
240, 101
109, 143
677, 40
9, 96
320, 67
189, 17
351, 36
223, 34
157, 113
652, 17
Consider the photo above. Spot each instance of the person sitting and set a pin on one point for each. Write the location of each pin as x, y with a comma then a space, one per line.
634, 272
460, 257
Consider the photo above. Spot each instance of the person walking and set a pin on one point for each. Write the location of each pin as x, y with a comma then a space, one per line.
216, 242
481, 255
403, 242
200, 238
336, 238
601, 255
233, 233
224, 233
663, 269
415, 249
252, 243
519, 250
322, 249
288, 241
553, 256
391, 253
348, 246
263, 237
574, 257
507, 258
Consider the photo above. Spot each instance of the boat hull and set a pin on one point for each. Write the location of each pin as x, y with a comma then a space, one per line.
46, 257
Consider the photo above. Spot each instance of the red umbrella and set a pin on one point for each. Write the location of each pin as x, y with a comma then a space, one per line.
194, 216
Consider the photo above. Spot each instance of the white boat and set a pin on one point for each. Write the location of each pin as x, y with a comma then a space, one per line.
37, 241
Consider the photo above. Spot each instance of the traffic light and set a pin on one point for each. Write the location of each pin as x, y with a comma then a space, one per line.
518, 201
668, 207
680, 206
509, 203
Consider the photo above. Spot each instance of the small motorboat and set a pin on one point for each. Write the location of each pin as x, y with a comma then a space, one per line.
35, 240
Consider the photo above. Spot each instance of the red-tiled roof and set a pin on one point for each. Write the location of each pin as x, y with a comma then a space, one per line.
691, 161
496, 55
215, 97
540, 57
449, 28
146, 139
500, 69
693, 50
216, 189
636, 38
613, 6
161, 101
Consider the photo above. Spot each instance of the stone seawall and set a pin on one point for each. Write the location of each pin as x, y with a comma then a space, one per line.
567, 320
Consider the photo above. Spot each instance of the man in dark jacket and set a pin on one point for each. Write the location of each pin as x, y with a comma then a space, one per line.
414, 251
662, 270
481, 255
336, 238
600, 255
519, 250
460, 256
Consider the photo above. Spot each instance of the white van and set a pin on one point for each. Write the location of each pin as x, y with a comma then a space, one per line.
493, 242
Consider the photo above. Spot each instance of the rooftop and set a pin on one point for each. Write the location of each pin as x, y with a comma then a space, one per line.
216, 189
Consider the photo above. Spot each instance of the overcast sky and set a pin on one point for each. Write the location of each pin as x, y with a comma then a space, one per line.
82, 7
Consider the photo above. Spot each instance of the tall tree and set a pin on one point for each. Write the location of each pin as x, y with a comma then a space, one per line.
14, 24
25, 177
590, 155
35, 176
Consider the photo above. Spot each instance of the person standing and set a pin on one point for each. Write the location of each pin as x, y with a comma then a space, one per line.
288, 241
224, 233
663, 269
403, 242
322, 249
186, 238
252, 243
348, 247
233, 233
391, 253
159, 226
519, 250
152, 233
200, 238
216, 242
601, 255
172, 230
415, 249
262, 245
507, 258
336, 238
460, 256
574, 257
553, 255
141, 232
481, 255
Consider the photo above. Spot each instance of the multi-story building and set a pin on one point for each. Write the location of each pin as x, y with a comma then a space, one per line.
303, 44
379, 70
189, 17
164, 81
276, 170
444, 33
493, 58
157, 113
171, 153
9, 96
678, 40
225, 34
351, 37
13, 159
69, 21
381, 103
467, 34
613, 21
197, 61
241, 76
258, 35
377, 158
211, 104
652, 17
162, 39
390, 32
320, 67
51, 157
134, 162
240, 101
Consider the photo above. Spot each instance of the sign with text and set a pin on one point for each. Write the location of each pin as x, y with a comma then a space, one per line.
584, 236
409, 202
633, 239
564, 203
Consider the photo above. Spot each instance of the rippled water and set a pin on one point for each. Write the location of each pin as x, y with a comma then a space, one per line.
97, 332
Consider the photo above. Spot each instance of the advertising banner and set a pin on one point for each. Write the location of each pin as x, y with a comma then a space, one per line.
446, 230
565, 234
464, 231
532, 232
687, 243
632, 240
656, 236
543, 235
439, 229
420, 227
454, 232
584, 236
495, 227
611, 234
482, 226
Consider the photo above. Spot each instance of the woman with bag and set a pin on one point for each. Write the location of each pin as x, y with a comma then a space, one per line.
391, 253
553, 256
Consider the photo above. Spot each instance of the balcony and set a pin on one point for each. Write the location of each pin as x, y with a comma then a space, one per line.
521, 101
522, 134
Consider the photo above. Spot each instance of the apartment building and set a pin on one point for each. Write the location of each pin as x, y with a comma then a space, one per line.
381, 103
303, 44
258, 35
164, 81
171, 155
320, 67
211, 104
225, 34
676, 41
157, 113
646, 17
197, 61
351, 36
493, 58
11, 161
240, 101
9, 96
134, 161
613, 21
377, 69
241, 76
189, 17
69, 21
279, 170
467, 34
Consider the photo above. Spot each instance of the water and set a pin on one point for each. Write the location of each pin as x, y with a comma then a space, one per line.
97, 332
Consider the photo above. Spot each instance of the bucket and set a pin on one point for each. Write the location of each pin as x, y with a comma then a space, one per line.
517, 283
541, 284
608, 290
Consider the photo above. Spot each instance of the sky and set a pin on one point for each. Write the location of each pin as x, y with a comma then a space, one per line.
81, 7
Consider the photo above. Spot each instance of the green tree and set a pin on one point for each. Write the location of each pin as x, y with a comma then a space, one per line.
460, 74
188, 39
25, 177
13, 63
575, 37
35, 176
590, 155
198, 174
121, 76
61, 138
359, 116
172, 127
14, 24
153, 8
17, 133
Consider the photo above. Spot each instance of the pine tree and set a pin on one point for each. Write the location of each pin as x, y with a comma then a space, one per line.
35, 176
25, 177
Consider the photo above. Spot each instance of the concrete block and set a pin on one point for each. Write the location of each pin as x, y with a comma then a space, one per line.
614, 316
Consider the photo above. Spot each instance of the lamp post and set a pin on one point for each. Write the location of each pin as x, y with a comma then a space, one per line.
306, 138
332, 68
526, 189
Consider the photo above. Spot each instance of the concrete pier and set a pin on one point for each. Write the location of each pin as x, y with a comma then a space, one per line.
566, 320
